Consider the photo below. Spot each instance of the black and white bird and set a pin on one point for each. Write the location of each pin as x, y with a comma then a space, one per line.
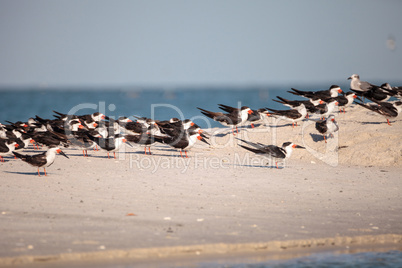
367, 90
82, 141
7, 147
326, 108
183, 142
233, 118
327, 126
88, 119
345, 100
311, 104
257, 116
142, 133
110, 144
392, 91
321, 94
44, 159
293, 115
387, 109
272, 151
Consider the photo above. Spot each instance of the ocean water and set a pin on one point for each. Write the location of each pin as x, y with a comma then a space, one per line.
19, 105
391, 259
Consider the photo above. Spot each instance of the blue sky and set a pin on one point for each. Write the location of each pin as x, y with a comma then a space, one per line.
198, 43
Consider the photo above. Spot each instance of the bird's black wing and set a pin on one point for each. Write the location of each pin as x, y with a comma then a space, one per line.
321, 126
275, 151
228, 109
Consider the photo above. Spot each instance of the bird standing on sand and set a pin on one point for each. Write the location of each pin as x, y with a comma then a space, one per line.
367, 90
311, 104
332, 92
326, 108
182, 142
44, 159
257, 116
272, 151
392, 91
294, 115
327, 127
109, 144
142, 133
386, 109
345, 100
7, 147
234, 117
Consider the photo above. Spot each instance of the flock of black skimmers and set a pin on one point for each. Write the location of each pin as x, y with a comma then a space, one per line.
99, 131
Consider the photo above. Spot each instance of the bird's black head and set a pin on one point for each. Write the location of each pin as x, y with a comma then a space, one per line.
286, 144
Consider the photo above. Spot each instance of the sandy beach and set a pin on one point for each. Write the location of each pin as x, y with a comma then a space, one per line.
222, 200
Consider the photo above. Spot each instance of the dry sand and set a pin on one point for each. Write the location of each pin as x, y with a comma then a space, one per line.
221, 200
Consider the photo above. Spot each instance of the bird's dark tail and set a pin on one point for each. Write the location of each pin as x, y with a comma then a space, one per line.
226, 108
297, 92
206, 113
283, 99
256, 151
60, 114
21, 156
366, 106
160, 139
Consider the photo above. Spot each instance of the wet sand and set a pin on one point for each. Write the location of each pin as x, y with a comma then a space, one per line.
221, 200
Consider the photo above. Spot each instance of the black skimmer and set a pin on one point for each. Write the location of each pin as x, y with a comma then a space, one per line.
392, 91
51, 138
142, 132
21, 126
252, 116
294, 115
23, 141
345, 100
272, 151
374, 94
257, 116
178, 128
89, 121
109, 144
326, 108
82, 141
44, 159
145, 139
321, 94
88, 118
234, 118
386, 109
7, 147
118, 125
3, 131
175, 123
11, 132
72, 124
311, 104
35, 126
133, 128
184, 142
112, 128
327, 127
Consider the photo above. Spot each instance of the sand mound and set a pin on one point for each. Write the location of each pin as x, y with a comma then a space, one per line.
364, 138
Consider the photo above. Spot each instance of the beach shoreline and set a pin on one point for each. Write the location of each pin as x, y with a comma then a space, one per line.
214, 253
